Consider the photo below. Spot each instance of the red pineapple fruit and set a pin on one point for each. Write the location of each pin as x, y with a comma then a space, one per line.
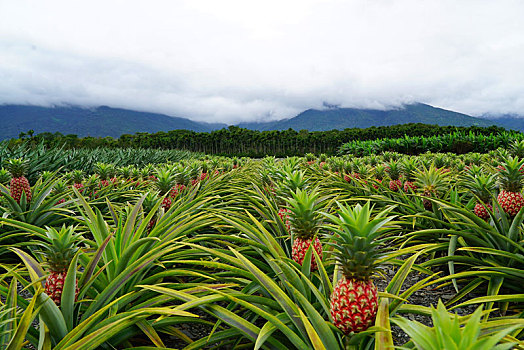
19, 183
305, 218
59, 250
357, 246
511, 180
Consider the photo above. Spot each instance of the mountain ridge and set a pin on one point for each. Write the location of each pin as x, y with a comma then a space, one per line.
105, 121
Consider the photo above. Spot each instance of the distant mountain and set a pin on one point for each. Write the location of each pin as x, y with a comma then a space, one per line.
106, 121
341, 118
101, 121
508, 121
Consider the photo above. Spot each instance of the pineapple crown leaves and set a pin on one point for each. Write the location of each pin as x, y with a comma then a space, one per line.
432, 180
104, 171
17, 166
358, 238
125, 171
60, 246
77, 176
150, 200
5, 176
291, 181
481, 185
60, 187
305, 215
408, 167
449, 332
379, 171
393, 169
165, 179
517, 148
511, 174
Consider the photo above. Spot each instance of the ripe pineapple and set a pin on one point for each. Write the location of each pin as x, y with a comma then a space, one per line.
393, 170
17, 167
304, 219
165, 180
511, 180
357, 245
58, 251
432, 182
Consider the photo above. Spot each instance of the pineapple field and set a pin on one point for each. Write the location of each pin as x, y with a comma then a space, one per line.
164, 249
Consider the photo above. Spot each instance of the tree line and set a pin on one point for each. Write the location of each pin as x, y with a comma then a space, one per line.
235, 141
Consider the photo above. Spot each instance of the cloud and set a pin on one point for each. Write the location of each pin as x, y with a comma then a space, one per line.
233, 61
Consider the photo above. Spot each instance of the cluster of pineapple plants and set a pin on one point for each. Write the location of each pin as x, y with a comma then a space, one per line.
279, 253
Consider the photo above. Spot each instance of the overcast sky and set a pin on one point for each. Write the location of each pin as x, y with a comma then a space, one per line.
231, 61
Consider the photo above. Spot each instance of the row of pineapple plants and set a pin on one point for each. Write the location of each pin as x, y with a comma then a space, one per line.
240, 230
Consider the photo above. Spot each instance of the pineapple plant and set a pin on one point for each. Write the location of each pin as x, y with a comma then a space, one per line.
516, 149
182, 181
104, 172
165, 180
378, 173
205, 169
510, 180
432, 182
77, 176
357, 243
148, 204
408, 168
5, 176
19, 183
310, 158
58, 251
322, 160
59, 189
393, 170
305, 219
482, 187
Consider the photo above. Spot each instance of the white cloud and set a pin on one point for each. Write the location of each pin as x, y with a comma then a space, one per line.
233, 60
